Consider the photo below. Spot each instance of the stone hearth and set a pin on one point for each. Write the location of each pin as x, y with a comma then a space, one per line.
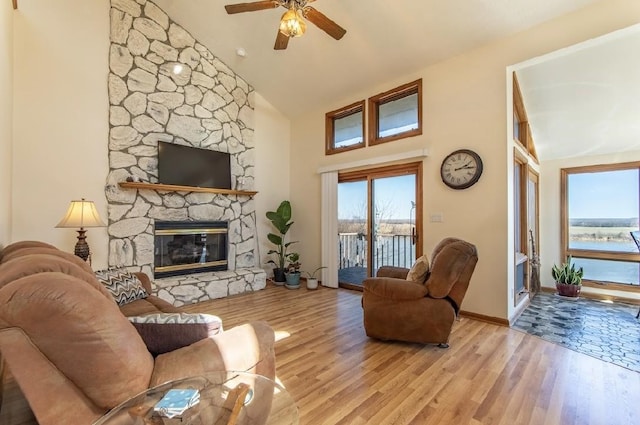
165, 86
181, 290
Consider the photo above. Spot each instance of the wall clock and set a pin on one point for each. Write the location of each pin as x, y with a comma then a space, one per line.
461, 169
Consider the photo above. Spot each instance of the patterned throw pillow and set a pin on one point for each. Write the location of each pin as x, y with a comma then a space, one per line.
164, 332
124, 286
419, 271
178, 318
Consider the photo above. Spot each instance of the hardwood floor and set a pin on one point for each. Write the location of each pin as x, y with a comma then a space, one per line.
489, 375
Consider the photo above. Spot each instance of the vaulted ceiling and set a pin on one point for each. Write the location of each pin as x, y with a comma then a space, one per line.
586, 100
385, 40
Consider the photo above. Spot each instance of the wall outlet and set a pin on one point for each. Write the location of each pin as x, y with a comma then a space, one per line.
436, 217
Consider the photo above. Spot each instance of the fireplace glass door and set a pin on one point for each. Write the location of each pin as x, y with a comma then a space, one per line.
190, 247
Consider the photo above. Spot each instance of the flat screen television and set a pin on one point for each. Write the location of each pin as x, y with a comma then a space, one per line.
188, 166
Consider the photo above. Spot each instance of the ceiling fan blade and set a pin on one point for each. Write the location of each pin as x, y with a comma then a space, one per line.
324, 23
282, 41
251, 7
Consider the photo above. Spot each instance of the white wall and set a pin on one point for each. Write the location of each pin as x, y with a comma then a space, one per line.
61, 118
465, 102
61, 123
273, 142
550, 246
6, 118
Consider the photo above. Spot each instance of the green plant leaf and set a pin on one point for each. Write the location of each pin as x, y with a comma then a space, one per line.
274, 239
312, 275
278, 222
284, 210
567, 273
286, 226
272, 215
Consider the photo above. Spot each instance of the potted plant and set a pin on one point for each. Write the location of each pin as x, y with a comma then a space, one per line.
292, 274
281, 220
568, 279
312, 280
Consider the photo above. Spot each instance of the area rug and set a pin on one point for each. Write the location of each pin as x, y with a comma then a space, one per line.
609, 332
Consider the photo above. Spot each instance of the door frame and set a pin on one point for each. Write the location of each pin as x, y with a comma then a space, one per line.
396, 170
533, 249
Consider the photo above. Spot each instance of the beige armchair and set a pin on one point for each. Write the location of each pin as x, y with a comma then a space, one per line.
397, 309
75, 355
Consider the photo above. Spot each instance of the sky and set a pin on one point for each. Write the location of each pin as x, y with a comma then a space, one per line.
393, 195
611, 194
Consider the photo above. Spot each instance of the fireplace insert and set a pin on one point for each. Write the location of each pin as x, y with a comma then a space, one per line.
185, 247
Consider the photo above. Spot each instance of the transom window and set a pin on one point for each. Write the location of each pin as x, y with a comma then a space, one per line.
396, 114
345, 128
601, 206
392, 115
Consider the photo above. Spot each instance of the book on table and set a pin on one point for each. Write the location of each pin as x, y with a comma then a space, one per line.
176, 401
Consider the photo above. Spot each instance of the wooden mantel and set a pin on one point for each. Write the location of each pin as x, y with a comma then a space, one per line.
15, 4
175, 188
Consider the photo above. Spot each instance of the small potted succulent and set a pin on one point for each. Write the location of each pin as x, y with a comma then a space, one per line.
568, 278
292, 274
312, 280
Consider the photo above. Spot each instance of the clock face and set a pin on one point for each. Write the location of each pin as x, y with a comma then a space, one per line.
461, 169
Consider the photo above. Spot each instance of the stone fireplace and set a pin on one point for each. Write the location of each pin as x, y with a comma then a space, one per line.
166, 86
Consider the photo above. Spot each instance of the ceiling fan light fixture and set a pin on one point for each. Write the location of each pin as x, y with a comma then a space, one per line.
292, 24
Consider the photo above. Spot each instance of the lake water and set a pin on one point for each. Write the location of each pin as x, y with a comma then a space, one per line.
606, 270
619, 246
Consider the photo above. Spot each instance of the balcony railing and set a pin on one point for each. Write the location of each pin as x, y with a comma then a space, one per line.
389, 250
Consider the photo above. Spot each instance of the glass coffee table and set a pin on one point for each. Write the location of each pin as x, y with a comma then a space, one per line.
225, 398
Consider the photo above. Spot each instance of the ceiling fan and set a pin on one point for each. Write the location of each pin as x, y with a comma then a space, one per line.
292, 23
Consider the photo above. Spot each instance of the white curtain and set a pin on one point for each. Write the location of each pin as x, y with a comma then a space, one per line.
330, 228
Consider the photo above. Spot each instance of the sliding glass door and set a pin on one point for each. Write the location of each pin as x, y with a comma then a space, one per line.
353, 232
379, 220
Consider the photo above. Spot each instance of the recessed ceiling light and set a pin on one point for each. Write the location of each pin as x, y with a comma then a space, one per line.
177, 68
241, 52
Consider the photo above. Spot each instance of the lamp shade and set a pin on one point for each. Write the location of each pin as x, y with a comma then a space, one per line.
292, 24
81, 214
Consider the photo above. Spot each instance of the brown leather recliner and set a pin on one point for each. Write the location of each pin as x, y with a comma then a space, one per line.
397, 309
75, 355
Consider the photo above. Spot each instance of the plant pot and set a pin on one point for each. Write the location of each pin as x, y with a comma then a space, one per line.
312, 283
279, 276
293, 280
566, 290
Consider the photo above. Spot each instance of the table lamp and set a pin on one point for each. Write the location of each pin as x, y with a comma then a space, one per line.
81, 214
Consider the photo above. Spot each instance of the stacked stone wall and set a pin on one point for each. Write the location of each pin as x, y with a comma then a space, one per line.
166, 86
